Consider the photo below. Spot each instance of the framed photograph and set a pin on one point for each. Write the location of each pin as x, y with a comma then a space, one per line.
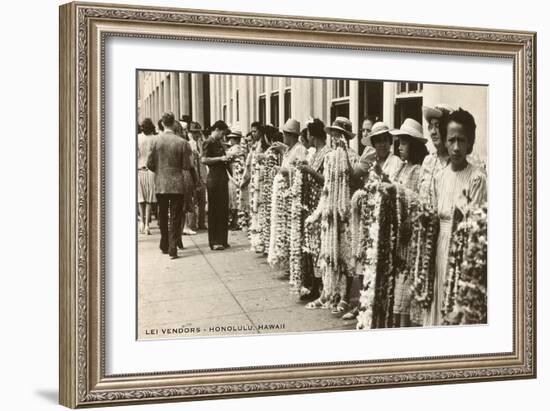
262, 204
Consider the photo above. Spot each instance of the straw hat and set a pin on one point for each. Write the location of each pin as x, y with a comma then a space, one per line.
379, 128
411, 128
292, 126
235, 134
194, 126
343, 125
436, 111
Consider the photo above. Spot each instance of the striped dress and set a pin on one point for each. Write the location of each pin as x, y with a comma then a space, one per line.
453, 189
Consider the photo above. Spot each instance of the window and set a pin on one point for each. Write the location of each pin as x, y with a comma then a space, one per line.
341, 88
262, 109
288, 108
275, 109
409, 87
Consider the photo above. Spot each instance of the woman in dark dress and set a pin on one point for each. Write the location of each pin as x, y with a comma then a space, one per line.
213, 155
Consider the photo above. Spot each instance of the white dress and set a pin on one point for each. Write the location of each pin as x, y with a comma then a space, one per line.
453, 189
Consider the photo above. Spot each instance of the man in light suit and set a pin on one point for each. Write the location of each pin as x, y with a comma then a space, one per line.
170, 155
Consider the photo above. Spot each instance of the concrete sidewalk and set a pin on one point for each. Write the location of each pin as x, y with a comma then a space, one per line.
215, 293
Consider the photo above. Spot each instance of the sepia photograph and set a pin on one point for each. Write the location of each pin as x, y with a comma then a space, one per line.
276, 204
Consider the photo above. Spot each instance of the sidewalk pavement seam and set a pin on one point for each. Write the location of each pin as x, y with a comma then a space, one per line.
224, 284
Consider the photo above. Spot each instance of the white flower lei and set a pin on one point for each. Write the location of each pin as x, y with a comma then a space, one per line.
296, 230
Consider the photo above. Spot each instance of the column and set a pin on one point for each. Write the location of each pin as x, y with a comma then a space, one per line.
234, 88
281, 88
175, 94
185, 93
197, 104
213, 98
301, 99
354, 113
320, 99
388, 109
252, 96
244, 104
167, 106
267, 84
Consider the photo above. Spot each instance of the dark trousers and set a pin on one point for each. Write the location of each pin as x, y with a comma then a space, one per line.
200, 200
170, 227
218, 211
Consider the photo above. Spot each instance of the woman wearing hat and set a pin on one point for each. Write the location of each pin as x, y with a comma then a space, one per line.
437, 118
234, 153
313, 168
337, 283
386, 163
459, 187
412, 150
292, 149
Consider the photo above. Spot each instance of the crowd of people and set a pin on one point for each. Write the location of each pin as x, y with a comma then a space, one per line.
331, 217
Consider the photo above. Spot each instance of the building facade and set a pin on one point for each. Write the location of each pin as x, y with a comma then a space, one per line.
241, 99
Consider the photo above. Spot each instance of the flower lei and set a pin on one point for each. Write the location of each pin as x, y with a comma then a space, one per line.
238, 172
393, 233
267, 172
278, 253
333, 213
296, 230
466, 288
254, 231
422, 248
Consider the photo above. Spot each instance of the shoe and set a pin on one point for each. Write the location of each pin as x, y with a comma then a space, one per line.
342, 306
351, 315
141, 228
173, 257
310, 296
188, 231
226, 246
179, 245
218, 247
147, 230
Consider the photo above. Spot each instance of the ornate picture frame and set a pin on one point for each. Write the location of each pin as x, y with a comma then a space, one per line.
84, 29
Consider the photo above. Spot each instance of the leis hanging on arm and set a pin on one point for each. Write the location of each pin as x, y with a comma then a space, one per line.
466, 289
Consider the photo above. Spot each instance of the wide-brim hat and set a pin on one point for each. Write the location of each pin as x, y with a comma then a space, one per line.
235, 134
343, 125
411, 128
194, 126
378, 129
292, 126
436, 111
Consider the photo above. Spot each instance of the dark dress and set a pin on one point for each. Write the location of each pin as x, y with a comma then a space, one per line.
218, 194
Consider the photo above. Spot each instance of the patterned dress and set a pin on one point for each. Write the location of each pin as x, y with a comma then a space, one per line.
312, 195
453, 189
409, 177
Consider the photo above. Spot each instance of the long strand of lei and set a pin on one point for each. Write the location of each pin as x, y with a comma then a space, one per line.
254, 204
466, 298
296, 231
